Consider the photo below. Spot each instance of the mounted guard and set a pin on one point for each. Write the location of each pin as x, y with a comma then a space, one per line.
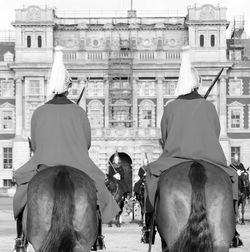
60, 135
190, 130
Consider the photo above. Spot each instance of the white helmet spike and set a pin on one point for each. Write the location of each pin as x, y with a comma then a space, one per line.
188, 77
59, 78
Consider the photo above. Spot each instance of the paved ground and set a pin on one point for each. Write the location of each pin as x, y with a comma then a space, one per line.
124, 239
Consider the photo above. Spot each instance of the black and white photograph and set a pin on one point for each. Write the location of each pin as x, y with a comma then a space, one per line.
124, 125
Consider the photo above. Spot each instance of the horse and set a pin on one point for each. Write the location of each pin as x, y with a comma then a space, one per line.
139, 189
115, 189
61, 212
194, 208
243, 193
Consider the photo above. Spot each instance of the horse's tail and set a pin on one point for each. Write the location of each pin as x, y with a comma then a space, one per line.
61, 236
196, 237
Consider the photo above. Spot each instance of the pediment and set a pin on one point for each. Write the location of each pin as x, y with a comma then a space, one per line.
6, 105
235, 104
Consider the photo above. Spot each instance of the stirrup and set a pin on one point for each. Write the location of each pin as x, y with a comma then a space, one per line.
99, 243
20, 244
145, 236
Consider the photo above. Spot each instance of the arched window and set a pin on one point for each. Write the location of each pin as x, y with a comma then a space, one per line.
28, 41
147, 114
212, 40
95, 114
201, 40
39, 41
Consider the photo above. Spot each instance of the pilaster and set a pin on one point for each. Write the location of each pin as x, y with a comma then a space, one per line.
106, 106
135, 103
159, 93
19, 106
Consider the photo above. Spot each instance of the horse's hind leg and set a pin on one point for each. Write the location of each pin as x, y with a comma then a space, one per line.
164, 246
243, 212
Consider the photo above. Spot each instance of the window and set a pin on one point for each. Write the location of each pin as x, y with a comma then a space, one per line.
169, 87
7, 182
95, 114
234, 150
146, 114
7, 119
95, 89
236, 115
8, 57
201, 40
205, 84
7, 158
235, 118
39, 41
147, 88
34, 87
235, 87
6, 88
28, 41
212, 40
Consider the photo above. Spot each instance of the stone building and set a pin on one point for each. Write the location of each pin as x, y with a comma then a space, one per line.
130, 67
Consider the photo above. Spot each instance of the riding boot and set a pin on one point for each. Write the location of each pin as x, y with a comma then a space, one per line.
20, 242
148, 230
236, 242
99, 243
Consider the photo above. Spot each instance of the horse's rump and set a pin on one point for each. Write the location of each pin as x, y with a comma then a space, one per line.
61, 210
194, 210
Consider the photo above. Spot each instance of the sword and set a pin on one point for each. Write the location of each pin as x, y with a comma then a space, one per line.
80, 97
215, 80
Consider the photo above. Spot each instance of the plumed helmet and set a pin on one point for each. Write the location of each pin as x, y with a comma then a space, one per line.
60, 80
188, 77
236, 157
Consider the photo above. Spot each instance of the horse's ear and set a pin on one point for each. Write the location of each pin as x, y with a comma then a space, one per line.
248, 169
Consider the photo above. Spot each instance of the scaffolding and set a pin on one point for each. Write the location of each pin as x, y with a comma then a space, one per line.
120, 72
237, 27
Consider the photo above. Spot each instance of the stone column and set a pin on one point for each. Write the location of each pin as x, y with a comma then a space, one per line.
19, 107
135, 103
83, 83
106, 105
159, 108
224, 140
223, 108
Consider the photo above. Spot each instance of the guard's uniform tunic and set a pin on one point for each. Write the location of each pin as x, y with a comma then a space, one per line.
190, 130
61, 135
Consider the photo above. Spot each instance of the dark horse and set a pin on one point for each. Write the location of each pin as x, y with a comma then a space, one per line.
115, 188
139, 189
194, 208
61, 211
243, 193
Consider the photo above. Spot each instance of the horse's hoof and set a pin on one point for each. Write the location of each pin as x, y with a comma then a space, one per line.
243, 223
109, 225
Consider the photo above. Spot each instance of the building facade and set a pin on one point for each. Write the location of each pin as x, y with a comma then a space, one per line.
130, 67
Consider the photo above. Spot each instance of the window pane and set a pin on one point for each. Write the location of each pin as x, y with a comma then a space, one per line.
212, 40
7, 158
169, 87
7, 119
235, 118
6, 88
28, 41
201, 40
234, 150
34, 87
39, 41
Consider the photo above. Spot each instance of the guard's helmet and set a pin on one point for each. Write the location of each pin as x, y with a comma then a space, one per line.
60, 81
236, 158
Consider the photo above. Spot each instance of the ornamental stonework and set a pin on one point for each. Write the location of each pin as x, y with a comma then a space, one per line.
33, 14
207, 13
